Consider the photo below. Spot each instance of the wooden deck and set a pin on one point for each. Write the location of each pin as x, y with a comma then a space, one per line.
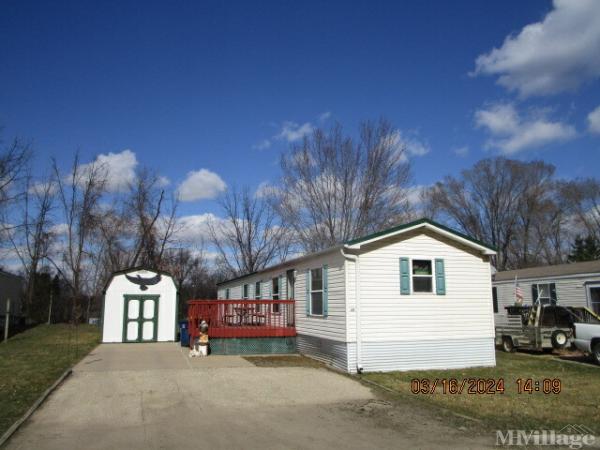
243, 318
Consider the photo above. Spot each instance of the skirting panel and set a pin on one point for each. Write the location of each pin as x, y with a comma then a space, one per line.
253, 346
333, 353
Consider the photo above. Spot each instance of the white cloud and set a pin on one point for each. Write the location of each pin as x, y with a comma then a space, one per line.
462, 151
194, 228
201, 184
263, 145
511, 133
410, 143
117, 168
40, 188
292, 131
593, 119
265, 190
324, 116
554, 55
163, 181
59, 229
414, 194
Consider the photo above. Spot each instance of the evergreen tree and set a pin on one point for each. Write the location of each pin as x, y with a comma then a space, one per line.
585, 249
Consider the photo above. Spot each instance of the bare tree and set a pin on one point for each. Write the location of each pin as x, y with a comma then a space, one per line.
249, 237
582, 197
509, 204
32, 237
79, 193
14, 161
335, 188
537, 215
483, 203
154, 219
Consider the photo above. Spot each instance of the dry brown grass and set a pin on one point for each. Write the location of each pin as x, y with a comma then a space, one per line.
577, 403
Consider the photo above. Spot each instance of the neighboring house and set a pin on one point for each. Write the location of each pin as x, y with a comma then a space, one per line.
575, 284
417, 296
11, 287
140, 305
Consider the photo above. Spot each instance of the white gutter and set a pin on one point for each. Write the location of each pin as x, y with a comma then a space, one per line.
355, 259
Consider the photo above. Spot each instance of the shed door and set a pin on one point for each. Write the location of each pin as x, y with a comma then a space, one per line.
140, 322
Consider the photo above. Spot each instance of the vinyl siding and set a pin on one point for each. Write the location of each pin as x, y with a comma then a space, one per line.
333, 326
397, 329
570, 291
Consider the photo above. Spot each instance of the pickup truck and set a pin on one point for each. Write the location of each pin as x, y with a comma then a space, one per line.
586, 337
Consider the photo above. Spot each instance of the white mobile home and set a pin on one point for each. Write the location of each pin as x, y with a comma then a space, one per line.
140, 305
417, 296
575, 284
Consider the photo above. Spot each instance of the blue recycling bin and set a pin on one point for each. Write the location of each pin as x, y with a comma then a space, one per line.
184, 335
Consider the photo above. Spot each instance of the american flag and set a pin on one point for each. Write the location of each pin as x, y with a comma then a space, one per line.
518, 293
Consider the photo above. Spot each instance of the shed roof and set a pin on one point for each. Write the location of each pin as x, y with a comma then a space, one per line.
135, 269
399, 229
557, 270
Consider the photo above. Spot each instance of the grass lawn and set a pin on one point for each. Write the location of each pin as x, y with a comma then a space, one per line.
577, 403
31, 361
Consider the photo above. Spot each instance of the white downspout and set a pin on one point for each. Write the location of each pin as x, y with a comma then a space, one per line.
355, 259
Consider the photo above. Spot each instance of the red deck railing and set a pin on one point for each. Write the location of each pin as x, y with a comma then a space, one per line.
242, 318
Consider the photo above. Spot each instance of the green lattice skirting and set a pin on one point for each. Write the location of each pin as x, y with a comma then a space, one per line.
253, 346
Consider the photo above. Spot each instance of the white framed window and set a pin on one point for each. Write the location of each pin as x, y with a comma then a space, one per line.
227, 294
544, 292
316, 292
257, 293
422, 275
245, 291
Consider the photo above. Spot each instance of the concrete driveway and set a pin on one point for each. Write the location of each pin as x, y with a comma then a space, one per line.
152, 396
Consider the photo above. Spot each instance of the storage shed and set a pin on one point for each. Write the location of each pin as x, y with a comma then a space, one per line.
416, 296
140, 305
573, 284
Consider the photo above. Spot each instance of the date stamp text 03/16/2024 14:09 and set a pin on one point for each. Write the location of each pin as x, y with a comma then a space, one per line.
489, 386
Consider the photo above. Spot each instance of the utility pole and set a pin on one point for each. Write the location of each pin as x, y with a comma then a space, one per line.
7, 320
50, 308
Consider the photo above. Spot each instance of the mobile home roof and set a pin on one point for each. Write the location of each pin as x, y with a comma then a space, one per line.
356, 243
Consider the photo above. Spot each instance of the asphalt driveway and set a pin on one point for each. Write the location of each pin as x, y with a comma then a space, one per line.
152, 396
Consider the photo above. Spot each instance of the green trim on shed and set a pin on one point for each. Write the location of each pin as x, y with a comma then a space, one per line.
141, 298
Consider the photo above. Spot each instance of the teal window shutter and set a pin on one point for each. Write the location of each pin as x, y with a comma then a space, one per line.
440, 277
534, 293
325, 290
404, 277
281, 291
553, 297
307, 292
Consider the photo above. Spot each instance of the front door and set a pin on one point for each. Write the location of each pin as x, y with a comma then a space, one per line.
140, 321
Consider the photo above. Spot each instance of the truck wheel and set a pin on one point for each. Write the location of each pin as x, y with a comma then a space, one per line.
507, 344
596, 353
559, 339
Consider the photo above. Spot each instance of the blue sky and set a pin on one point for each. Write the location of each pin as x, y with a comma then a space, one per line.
225, 86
